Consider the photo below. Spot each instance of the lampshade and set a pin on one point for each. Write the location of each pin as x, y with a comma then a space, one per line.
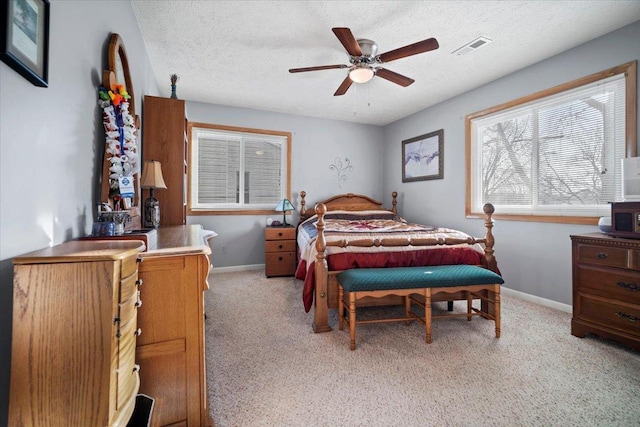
284, 205
361, 74
152, 175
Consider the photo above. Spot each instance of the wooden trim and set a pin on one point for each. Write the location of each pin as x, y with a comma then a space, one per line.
584, 220
191, 125
235, 212
629, 69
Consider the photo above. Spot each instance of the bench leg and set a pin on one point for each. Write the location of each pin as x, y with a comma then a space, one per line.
449, 305
352, 320
407, 309
427, 313
340, 307
496, 295
469, 304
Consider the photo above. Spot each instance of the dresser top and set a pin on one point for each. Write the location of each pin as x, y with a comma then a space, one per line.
605, 239
178, 239
83, 251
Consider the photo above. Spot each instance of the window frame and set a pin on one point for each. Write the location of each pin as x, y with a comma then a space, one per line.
629, 70
243, 210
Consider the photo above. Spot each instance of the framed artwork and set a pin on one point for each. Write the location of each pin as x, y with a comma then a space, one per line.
24, 38
423, 157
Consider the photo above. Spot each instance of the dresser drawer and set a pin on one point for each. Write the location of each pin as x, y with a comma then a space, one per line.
128, 287
623, 285
129, 266
603, 255
609, 313
280, 233
280, 246
127, 309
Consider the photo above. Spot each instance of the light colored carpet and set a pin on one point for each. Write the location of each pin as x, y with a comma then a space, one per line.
265, 367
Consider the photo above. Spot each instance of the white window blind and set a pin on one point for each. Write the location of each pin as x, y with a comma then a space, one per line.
237, 170
554, 156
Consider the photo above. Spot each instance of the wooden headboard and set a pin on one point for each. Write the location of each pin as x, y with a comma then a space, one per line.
346, 202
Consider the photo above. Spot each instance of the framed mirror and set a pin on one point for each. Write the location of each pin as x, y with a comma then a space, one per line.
118, 74
119, 65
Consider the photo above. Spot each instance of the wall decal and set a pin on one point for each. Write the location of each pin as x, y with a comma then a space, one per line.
341, 168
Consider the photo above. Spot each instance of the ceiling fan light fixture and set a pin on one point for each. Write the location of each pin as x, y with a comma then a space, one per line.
361, 74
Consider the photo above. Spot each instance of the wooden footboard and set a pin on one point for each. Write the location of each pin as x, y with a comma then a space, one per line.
326, 289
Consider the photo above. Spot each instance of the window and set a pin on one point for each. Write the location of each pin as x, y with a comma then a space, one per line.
556, 155
237, 170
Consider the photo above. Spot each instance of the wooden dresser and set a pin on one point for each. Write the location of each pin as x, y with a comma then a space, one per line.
606, 288
171, 351
280, 251
74, 335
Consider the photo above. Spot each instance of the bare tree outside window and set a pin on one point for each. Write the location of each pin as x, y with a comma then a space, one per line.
557, 155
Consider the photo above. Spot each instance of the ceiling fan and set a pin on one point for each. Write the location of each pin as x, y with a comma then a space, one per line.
364, 59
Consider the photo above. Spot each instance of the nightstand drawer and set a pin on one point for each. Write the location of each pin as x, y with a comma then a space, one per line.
280, 246
280, 264
280, 233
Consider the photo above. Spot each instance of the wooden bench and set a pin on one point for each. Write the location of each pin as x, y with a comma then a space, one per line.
417, 285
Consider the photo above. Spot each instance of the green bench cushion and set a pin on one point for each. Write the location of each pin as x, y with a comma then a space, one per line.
441, 276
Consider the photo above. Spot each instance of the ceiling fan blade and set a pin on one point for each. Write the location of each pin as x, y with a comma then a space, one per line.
348, 41
412, 49
394, 77
346, 84
321, 67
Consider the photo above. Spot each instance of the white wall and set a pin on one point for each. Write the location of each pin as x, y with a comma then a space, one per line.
51, 141
315, 145
535, 258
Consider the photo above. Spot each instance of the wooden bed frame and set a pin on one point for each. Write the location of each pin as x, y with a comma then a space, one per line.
326, 287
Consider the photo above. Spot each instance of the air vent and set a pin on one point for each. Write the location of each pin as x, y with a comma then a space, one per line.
473, 45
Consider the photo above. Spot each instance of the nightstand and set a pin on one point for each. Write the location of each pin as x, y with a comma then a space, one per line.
280, 251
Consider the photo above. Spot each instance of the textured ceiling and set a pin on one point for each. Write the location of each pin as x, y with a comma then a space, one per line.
238, 53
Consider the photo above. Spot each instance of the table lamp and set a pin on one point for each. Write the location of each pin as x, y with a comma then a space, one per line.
152, 179
284, 206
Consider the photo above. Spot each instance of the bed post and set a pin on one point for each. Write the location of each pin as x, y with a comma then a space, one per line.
488, 258
303, 211
321, 312
394, 202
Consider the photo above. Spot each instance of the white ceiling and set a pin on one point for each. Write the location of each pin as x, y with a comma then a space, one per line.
238, 53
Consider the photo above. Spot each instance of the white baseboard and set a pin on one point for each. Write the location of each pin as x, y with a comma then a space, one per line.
537, 300
237, 268
511, 292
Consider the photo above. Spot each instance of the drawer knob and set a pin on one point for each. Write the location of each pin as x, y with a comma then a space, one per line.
602, 255
138, 303
116, 319
633, 287
280, 234
138, 332
279, 258
629, 317
136, 368
279, 246
139, 282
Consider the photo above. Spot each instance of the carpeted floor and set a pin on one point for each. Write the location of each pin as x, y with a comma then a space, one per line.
265, 367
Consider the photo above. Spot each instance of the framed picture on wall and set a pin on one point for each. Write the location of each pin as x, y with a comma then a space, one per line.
423, 157
24, 39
